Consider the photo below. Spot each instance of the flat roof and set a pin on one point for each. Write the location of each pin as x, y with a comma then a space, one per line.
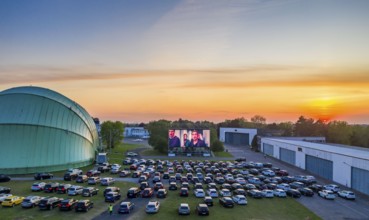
353, 151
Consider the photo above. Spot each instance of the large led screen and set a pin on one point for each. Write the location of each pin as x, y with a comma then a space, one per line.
185, 141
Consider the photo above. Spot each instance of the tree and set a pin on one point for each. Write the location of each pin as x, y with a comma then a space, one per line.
217, 146
259, 121
304, 127
287, 128
112, 133
360, 136
339, 132
254, 142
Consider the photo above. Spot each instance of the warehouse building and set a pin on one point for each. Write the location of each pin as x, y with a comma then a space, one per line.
237, 136
346, 165
42, 130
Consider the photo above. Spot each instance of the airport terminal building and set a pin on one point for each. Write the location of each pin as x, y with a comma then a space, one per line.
346, 165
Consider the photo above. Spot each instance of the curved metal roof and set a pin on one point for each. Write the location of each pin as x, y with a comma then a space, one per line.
57, 97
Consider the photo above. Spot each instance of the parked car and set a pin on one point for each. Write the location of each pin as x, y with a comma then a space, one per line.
280, 193
147, 193
173, 186
239, 192
36, 187
212, 193
162, 193
254, 193
124, 173
92, 173
11, 201
327, 194
202, 209
225, 192
4, 189
63, 188
183, 192
316, 187
306, 192
332, 187
184, 209
126, 207
158, 185
153, 207
42, 176
4, 196
199, 193
239, 199
294, 193
347, 194
133, 192
70, 176
112, 196
107, 181
226, 202
267, 193
131, 154
90, 191
4, 178
208, 201
94, 180
282, 173
297, 185
51, 187
31, 201
67, 204
82, 179
49, 203
75, 190
111, 189
84, 205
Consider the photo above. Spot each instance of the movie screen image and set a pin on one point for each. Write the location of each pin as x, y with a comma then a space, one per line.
184, 141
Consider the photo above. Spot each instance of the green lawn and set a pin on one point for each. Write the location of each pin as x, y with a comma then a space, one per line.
23, 188
118, 153
276, 208
152, 152
222, 154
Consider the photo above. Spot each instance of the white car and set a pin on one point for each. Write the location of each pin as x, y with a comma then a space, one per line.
199, 193
241, 181
75, 190
153, 207
212, 193
280, 193
225, 192
327, 194
347, 194
283, 186
114, 170
239, 199
107, 181
267, 193
131, 154
38, 186
4, 196
332, 187
244, 172
269, 173
116, 166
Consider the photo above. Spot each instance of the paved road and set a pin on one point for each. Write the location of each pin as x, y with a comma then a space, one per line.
326, 209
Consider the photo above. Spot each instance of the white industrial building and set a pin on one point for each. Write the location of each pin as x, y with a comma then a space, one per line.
346, 165
237, 136
137, 132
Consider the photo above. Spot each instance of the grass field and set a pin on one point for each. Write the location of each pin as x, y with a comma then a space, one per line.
23, 188
152, 152
118, 153
276, 208
222, 154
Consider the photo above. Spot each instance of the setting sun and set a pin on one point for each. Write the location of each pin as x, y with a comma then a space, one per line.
324, 108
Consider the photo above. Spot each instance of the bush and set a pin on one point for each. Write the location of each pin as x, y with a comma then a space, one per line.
217, 146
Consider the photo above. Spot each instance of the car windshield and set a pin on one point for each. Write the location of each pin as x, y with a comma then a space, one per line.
124, 206
184, 207
151, 206
26, 200
81, 204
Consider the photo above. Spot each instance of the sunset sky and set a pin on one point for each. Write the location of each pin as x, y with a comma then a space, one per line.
138, 61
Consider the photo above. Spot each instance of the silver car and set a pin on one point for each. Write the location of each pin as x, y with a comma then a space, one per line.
75, 190
38, 186
31, 201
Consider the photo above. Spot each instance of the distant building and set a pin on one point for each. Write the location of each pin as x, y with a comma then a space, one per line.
98, 125
347, 165
136, 132
237, 136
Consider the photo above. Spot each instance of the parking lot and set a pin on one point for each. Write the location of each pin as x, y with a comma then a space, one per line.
326, 209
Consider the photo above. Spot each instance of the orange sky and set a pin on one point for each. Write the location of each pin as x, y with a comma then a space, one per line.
138, 61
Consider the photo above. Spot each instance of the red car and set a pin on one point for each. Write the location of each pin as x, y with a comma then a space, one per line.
282, 173
147, 193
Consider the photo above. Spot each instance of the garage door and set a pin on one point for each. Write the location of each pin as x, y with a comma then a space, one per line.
268, 149
360, 180
319, 166
237, 138
287, 156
